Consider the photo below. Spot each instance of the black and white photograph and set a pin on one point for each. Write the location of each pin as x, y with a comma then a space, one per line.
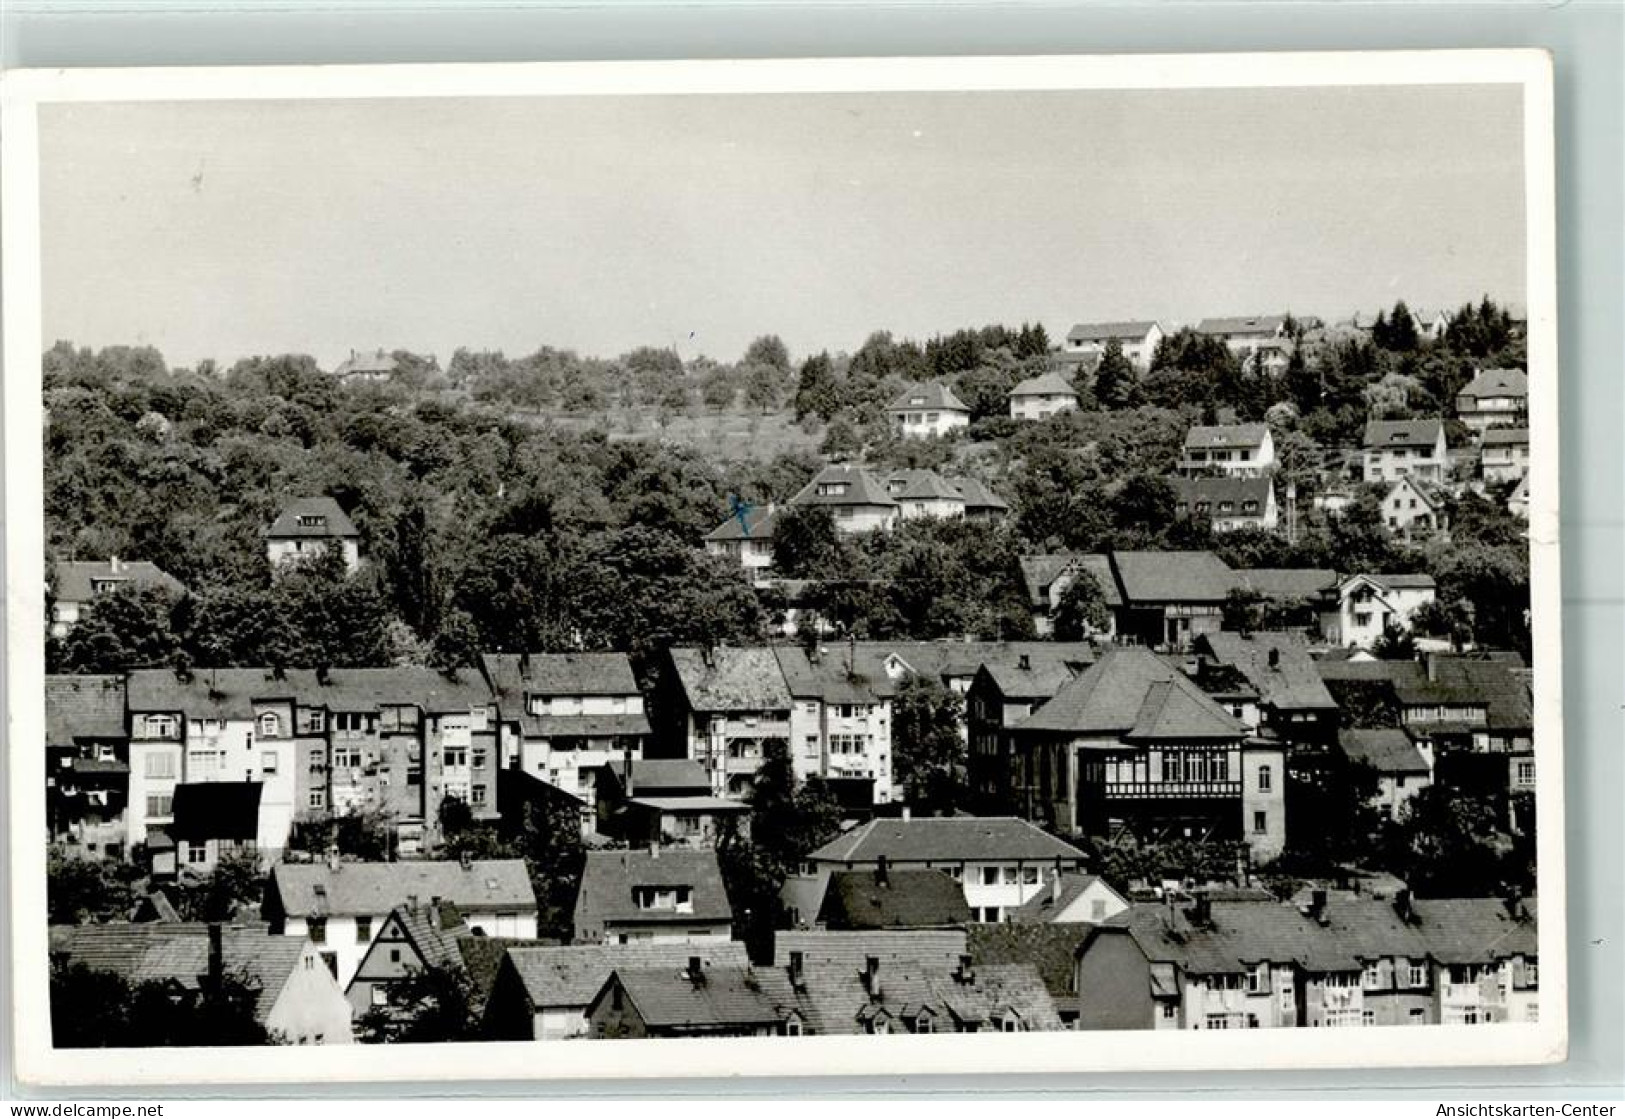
528, 566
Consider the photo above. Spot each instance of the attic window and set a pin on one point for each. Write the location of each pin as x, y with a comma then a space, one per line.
312, 520
673, 898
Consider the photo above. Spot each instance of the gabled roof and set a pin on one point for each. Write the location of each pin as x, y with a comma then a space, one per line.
1133, 692
334, 521
516, 675
1403, 433
1431, 496
849, 949
831, 677
179, 953
1388, 750
1045, 384
1240, 935
977, 495
1040, 572
1226, 436
1040, 679
862, 488
610, 877
731, 678
1244, 324
1290, 683
1152, 577
217, 810
76, 579
366, 361
843, 1001
1131, 331
1043, 905
433, 932
1506, 437
726, 997
930, 395
482, 958
921, 485
568, 976
1406, 582
83, 707
1286, 583
584, 726
909, 899
1189, 492
232, 692
1497, 382
362, 889
1050, 948
944, 839
758, 525
1477, 930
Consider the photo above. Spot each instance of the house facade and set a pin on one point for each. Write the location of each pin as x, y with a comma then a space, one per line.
1402, 768
1137, 339
855, 498
1249, 336
1169, 598
1504, 454
87, 765
656, 896
1046, 579
840, 717
1405, 448
78, 582
308, 527
1367, 605
1000, 696
746, 538
1494, 398
1043, 396
1231, 450
1414, 508
413, 940
1227, 504
928, 410
723, 705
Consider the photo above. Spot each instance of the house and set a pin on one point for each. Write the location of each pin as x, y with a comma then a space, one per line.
746, 537
1405, 448
1414, 508
1430, 324
307, 527
1504, 454
887, 899
661, 895
855, 498
924, 493
1231, 450
87, 765
295, 997
366, 367
696, 1001
543, 993
929, 409
1291, 597
1366, 605
1518, 499
1047, 578
1292, 701
1132, 744
1227, 504
981, 503
1137, 339
724, 703
1001, 695
78, 582
525, 801
214, 820
1169, 598
1494, 398
997, 860
1040, 397
341, 906
564, 716
1402, 770
840, 717
1253, 338
413, 940
1050, 948
660, 802
1072, 899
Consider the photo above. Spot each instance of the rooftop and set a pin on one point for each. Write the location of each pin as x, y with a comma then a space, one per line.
1243, 324
1188, 492
560, 674
233, 692
1130, 331
79, 580
731, 678
945, 839
570, 975
1278, 665
1226, 435
1497, 382
668, 998
1045, 384
1404, 433
83, 707
841, 485
929, 395
610, 879
362, 889
1388, 750
1506, 437
1150, 577
1134, 693
910, 899
312, 517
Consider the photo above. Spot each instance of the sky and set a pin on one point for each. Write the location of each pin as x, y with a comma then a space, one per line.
226, 229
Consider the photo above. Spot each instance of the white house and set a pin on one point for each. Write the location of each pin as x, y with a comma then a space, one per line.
1412, 507
856, 499
342, 906
1000, 862
657, 896
1235, 450
1403, 768
1247, 336
366, 366
1401, 448
1494, 398
730, 702
307, 527
1227, 503
1368, 604
924, 493
1504, 453
1137, 339
840, 717
1072, 899
928, 409
746, 537
1040, 397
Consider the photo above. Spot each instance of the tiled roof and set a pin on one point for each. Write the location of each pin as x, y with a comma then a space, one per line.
906, 899
1226, 435
692, 804
921, 485
862, 488
850, 948
161, 952
759, 520
842, 1000
217, 810
960, 660
662, 774
1245, 324
1496, 683
90, 707
1045, 384
1043, 905
1106, 331
669, 998
75, 579
945, 839
482, 958
1291, 683
1040, 680
1506, 437
1039, 572
360, 889
515, 675
334, 523
836, 676
1133, 692
1050, 948
1396, 582
978, 496
610, 877
366, 361
1388, 750
1285, 583
1403, 433
1497, 382
929, 395
434, 932
736, 679
1150, 577
569, 976
1477, 930
1189, 491
583, 726
232, 692
1240, 934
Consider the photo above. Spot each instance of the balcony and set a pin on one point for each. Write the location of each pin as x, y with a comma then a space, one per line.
762, 729
1171, 790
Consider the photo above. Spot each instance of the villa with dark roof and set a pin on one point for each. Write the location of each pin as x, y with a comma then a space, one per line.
929, 409
1402, 768
660, 895
78, 582
1494, 398
1405, 448
1043, 396
1226, 504
307, 527
366, 367
1087, 341
1230, 450
1169, 598
1133, 744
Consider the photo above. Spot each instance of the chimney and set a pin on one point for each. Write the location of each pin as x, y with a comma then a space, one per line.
217, 955
279, 672
882, 877
1025, 661
524, 665
1055, 888
871, 975
411, 903
113, 565
434, 910
695, 974
1275, 658
708, 656
966, 971
466, 860
333, 863
654, 850
1514, 904
1433, 668
797, 962
323, 676
1202, 911
1402, 906
1317, 906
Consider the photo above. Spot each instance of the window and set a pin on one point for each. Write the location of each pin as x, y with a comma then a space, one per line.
1264, 778
363, 930
394, 955
1373, 975
160, 765
477, 794
316, 927
662, 897
1010, 876
1417, 974
1218, 1021
456, 757
160, 805
318, 799
1418, 1016
990, 876
1258, 979
991, 914
792, 1027
317, 721
1362, 617
1526, 773
1012, 1025
477, 759
1029, 876
1260, 823
1368, 1017
268, 762
270, 725
1531, 974
196, 854
1169, 1011
160, 726
380, 995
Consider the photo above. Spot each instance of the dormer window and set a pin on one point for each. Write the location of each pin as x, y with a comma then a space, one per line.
312, 520
833, 489
102, 586
675, 899
270, 725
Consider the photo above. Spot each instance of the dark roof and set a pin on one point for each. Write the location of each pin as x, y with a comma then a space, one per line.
736, 679
83, 707
1397, 582
1508, 436
945, 839
977, 495
1497, 382
482, 957
75, 579
1239, 935
1388, 750
1291, 683
433, 931
334, 520
1045, 384
663, 775
921, 485
668, 998
179, 953
1106, 331
1041, 679
916, 899
1050, 948
960, 660
360, 889
570, 975
930, 394
850, 948
583, 726
1403, 433
862, 488
610, 877
232, 692
1478, 930
560, 674
1149, 577
842, 1001
366, 361
837, 675
1226, 435
1189, 491
1244, 324
217, 810
1498, 683
758, 525
1040, 572
1133, 692
1285, 583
